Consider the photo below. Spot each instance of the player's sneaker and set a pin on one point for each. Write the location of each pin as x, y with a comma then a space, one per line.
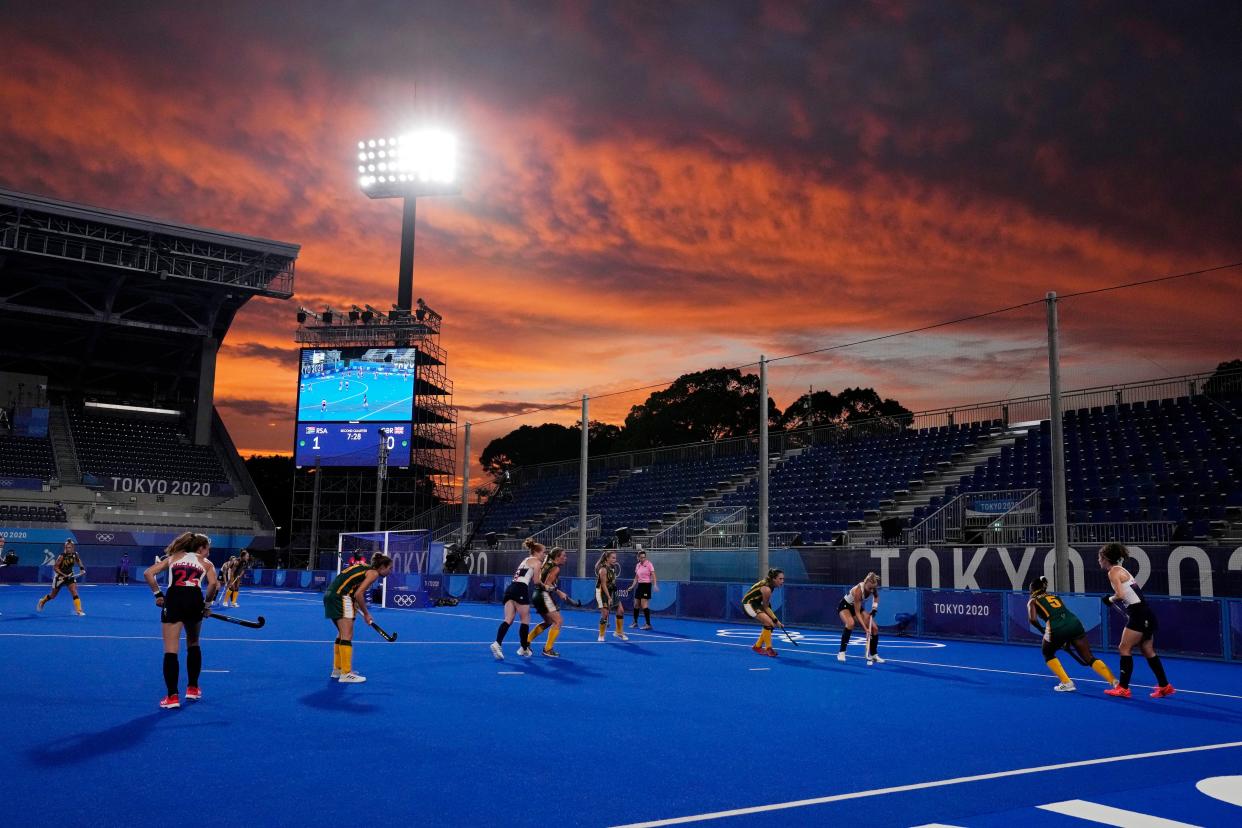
551, 653
497, 652
877, 659
193, 694
870, 661
234, 605
1118, 691
336, 673
634, 626
647, 627
601, 637
169, 702
841, 657
351, 678
525, 652
758, 648
623, 636
1161, 692
79, 612
42, 601
1065, 687
770, 653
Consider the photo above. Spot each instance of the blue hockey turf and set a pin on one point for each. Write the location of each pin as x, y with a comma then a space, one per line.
683, 722
388, 396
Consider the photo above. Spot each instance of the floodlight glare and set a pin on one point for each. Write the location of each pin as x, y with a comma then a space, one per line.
425, 159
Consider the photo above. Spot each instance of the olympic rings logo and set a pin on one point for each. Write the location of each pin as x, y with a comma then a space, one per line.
405, 599
104, 537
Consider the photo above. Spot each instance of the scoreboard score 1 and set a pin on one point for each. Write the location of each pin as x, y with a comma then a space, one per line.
351, 444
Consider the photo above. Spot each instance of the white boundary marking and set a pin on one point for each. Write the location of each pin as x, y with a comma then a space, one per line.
919, 786
1108, 815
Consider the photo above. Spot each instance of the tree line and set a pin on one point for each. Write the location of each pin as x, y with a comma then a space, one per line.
716, 404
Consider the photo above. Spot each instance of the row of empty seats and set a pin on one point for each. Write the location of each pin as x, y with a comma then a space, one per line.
26, 457
117, 446
22, 513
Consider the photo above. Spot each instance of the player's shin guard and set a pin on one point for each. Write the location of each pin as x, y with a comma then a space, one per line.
603, 625
1158, 669
336, 654
77, 604
635, 614
875, 642
552, 635
502, 631
347, 656
1102, 668
524, 635
193, 664
1127, 670
1054, 664
845, 638
620, 624
646, 616
172, 672
536, 632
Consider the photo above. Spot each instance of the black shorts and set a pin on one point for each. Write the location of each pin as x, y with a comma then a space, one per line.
1141, 620
518, 593
845, 606
642, 592
182, 605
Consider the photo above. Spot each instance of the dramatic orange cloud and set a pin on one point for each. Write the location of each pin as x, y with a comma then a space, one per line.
652, 193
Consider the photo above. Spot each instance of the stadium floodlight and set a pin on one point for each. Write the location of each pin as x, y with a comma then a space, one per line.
421, 162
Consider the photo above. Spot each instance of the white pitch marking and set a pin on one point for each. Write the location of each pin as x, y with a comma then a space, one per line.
214, 671
510, 673
1107, 815
759, 669
919, 786
1225, 788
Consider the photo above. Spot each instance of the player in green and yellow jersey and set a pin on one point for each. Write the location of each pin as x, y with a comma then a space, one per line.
345, 597
62, 575
1061, 628
757, 603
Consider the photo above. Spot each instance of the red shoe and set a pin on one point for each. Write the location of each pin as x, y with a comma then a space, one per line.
770, 652
1161, 692
1118, 691
169, 702
193, 694
759, 650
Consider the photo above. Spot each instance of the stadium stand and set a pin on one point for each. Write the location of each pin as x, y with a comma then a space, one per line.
119, 446
26, 457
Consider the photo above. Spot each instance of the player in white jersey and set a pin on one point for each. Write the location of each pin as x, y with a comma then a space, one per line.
1140, 623
183, 608
851, 609
517, 599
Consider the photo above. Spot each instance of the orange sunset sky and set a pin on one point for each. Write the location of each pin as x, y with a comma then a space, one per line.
654, 188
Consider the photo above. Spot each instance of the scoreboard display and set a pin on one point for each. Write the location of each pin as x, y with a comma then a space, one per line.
351, 444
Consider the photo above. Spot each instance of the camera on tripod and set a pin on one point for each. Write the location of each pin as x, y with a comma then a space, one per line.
456, 561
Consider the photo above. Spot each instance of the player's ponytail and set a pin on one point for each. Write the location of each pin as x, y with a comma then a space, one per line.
533, 546
1039, 586
773, 574
379, 560
1114, 553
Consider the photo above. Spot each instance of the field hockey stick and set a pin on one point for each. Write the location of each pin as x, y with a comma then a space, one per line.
241, 622
386, 635
786, 632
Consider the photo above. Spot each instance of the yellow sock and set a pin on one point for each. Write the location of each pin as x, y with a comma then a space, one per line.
552, 634
336, 655
1054, 665
603, 625
1105, 673
767, 638
620, 625
347, 657
77, 604
762, 634
536, 632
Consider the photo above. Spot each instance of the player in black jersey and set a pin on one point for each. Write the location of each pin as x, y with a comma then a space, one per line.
1061, 629
547, 587
606, 571
62, 575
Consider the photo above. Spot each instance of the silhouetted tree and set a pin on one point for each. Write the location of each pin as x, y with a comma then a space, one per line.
706, 405
1227, 379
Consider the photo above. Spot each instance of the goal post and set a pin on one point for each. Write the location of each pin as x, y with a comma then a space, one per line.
408, 549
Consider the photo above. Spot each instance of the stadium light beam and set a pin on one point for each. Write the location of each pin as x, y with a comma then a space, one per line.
408, 166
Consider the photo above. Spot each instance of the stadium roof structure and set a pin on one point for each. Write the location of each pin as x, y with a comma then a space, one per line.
100, 297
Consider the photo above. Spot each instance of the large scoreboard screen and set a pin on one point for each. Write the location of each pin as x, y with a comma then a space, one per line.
354, 385
351, 444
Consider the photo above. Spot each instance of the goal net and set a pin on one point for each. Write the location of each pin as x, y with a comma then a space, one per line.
407, 548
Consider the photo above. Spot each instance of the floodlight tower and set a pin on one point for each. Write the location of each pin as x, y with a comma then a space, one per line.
418, 163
